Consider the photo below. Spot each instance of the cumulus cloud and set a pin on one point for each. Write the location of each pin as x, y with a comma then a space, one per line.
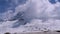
40, 15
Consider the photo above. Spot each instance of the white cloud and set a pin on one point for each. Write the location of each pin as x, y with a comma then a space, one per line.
37, 11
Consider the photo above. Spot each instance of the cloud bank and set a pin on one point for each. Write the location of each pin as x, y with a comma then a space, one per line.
39, 15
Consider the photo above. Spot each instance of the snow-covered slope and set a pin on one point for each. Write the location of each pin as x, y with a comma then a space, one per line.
34, 15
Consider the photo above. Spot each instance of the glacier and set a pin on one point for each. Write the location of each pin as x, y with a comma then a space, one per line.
30, 15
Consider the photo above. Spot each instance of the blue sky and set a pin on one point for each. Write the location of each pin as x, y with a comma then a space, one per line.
52, 1
4, 5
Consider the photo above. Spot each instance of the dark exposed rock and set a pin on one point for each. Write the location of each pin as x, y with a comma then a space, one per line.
58, 31
7, 33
